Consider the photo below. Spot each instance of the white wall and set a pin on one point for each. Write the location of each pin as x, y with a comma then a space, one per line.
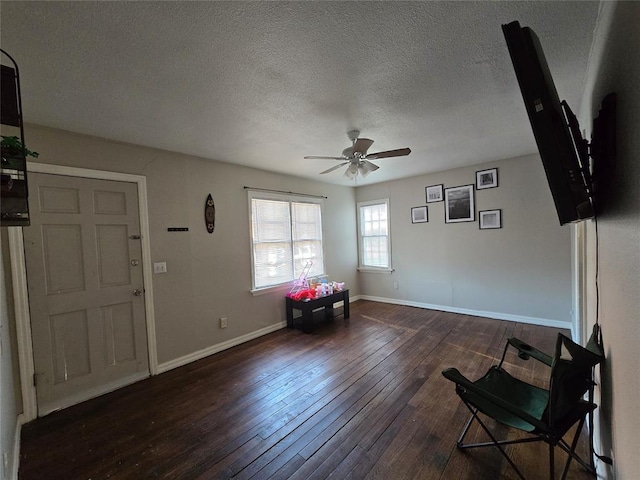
521, 271
615, 67
209, 275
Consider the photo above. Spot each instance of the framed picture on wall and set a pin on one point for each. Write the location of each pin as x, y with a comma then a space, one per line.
487, 179
490, 219
420, 214
434, 193
459, 204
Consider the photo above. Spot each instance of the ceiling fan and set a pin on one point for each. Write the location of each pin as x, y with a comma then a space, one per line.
357, 158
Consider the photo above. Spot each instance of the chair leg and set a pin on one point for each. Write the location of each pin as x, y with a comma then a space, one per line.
571, 451
552, 463
495, 443
573, 447
592, 452
576, 457
466, 427
592, 461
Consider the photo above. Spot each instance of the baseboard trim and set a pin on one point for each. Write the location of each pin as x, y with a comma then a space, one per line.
603, 471
16, 447
544, 322
219, 347
205, 352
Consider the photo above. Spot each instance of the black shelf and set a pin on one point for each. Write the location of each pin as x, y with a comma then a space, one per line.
14, 188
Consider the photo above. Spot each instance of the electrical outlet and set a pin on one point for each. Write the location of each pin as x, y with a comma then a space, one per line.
395, 285
223, 322
160, 267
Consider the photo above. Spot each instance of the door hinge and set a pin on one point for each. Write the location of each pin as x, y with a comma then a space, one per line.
134, 237
35, 379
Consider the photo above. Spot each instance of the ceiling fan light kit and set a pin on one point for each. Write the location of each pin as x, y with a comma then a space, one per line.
366, 167
357, 158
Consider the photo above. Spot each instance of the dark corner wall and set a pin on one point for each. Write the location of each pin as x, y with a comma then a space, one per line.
615, 67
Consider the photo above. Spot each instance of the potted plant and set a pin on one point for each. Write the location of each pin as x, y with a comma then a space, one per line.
14, 153
14, 144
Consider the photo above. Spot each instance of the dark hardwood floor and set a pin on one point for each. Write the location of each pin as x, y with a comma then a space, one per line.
361, 398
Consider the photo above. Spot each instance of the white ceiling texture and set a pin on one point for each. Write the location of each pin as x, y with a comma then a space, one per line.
264, 84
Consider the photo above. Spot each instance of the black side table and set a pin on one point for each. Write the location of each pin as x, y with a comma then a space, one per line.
309, 305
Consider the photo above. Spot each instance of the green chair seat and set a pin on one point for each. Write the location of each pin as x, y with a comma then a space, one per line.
528, 398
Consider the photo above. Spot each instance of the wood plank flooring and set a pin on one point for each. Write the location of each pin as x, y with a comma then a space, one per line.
361, 398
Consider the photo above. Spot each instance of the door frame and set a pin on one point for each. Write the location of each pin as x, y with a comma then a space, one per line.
579, 282
19, 280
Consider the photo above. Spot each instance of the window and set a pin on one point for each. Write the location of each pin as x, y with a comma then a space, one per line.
373, 235
286, 234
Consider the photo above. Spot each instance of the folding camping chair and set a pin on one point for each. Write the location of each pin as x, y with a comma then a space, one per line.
547, 415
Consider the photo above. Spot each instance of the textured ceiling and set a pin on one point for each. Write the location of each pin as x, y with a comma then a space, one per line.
265, 83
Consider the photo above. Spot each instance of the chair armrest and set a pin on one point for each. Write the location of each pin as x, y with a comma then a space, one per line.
464, 383
525, 351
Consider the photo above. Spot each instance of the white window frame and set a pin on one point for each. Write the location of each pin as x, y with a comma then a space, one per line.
371, 268
290, 198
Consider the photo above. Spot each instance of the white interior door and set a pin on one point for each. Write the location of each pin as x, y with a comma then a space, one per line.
85, 282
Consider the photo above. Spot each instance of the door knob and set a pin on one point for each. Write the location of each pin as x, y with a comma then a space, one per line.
137, 292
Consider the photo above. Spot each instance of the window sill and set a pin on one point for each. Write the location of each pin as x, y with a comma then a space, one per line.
375, 270
282, 288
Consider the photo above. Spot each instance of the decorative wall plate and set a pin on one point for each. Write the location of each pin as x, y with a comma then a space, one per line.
210, 214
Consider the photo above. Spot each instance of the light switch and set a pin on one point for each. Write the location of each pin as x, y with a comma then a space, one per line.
160, 267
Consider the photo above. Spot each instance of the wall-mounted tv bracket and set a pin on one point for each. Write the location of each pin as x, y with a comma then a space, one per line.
602, 148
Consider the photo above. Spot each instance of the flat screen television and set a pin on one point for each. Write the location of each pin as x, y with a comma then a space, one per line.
563, 156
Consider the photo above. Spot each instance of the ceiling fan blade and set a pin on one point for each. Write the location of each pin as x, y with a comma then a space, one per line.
401, 152
333, 168
314, 157
362, 145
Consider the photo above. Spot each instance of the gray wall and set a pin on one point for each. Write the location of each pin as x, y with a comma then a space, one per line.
209, 276
521, 271
10, 398
615, 67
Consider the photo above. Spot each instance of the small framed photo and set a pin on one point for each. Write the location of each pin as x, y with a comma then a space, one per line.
459, 204
490, 219
420, 214
434, 193
487, 178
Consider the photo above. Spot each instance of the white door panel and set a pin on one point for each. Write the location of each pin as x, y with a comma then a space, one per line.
83, 267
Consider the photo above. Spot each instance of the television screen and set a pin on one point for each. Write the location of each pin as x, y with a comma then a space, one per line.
568, 181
